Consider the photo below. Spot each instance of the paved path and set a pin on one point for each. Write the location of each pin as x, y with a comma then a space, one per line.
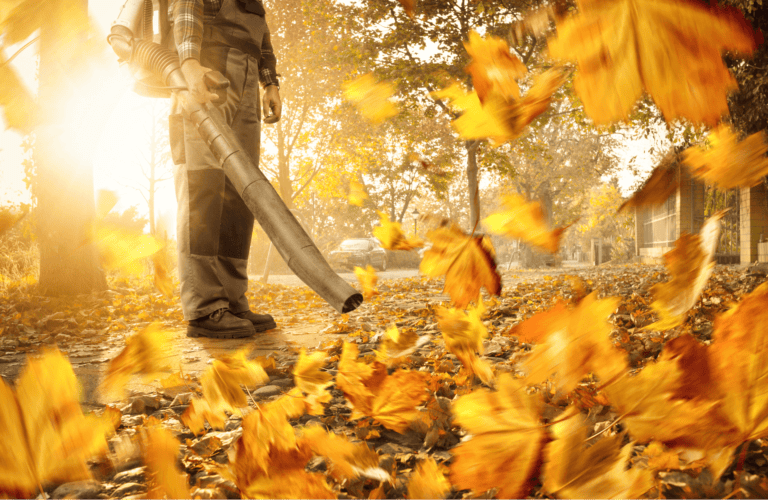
293, 280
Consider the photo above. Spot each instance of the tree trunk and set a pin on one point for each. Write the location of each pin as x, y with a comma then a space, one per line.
474, 192
65, 203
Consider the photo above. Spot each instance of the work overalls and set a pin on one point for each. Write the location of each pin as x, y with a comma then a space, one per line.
214, 226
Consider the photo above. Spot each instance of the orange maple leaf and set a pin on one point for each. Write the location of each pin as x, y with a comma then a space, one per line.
506, 439
680, 66
493, 66
463, 334
367, 278
307, 375
144, 354
728, 162
200, 411
524, 220
428, 481
391, 400
497, 118
689, 264
576, 342
45, 436
468, 263
357, 194
160, 456
661, 184
221, 382
348, 460
371, 98
391, 235
397, 344
573, 470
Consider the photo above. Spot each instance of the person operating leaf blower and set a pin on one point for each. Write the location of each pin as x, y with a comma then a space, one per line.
214, 224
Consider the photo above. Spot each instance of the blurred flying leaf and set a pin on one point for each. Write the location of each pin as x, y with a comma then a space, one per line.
573, 470
371, 98
200, 411
576, 341
357, 194
464, 334
468, 263
526, 221
391, 235
160, 457
45, 436
162, 277
307, 375
505, 443
739, 356
728, 162
348, 460
497, 118
123, 249
657, 189
367, 278
20, 110
391, 400
493, 66
689, 264
681, 66
144, 354
269, 461
221, 382
397, 344
428, 481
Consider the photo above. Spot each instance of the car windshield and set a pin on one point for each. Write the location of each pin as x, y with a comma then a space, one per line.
354, 245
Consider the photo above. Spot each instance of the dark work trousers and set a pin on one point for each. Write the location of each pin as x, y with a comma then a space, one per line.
214, 226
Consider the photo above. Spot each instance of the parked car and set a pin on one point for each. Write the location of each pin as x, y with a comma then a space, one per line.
359, 252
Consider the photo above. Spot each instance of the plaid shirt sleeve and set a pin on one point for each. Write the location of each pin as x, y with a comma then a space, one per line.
268, 63
188, 28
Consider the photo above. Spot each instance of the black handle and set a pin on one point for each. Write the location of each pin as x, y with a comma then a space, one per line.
216, 82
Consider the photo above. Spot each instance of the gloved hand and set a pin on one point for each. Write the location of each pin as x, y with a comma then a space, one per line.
194, 73
271, 102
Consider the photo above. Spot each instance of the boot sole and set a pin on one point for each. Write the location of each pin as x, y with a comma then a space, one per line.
196, 331
263, 327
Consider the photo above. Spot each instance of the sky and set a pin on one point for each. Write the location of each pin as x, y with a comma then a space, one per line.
123, 136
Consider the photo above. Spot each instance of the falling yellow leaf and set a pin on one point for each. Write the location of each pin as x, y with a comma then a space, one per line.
526, 221
468, 263
680, 66
391, 400
19, 108
200, 411
495, 117
371, 98
144, 354
221, 382
122, 249
307, 375
689, 264
162, 278
408, 5
396, 344
348, 460
45, 436
391, 235
160, 456
464, 334
493, 66
576, 342
506, 439
428, 481
357, 194
367, 278
728, 162
657, 189
573, 470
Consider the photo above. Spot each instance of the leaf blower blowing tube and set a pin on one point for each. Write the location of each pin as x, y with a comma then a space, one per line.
287, 235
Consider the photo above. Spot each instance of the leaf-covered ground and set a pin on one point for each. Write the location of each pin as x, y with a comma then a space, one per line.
91, 331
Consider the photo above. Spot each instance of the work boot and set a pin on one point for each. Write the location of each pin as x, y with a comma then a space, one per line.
261, 322
220, 324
